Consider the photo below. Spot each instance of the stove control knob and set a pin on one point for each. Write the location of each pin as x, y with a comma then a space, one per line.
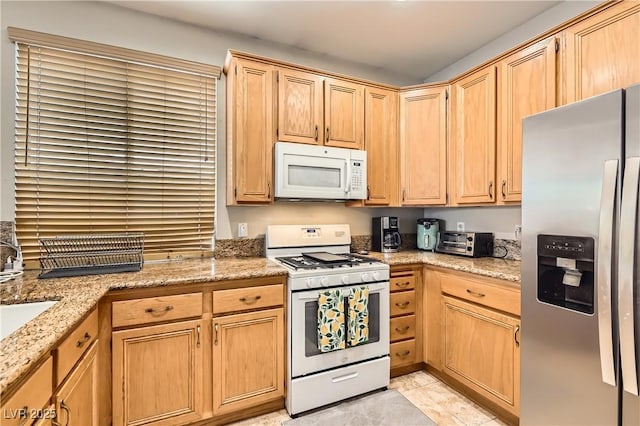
376, 275
345, 279
324, 281
365, 277
312, 282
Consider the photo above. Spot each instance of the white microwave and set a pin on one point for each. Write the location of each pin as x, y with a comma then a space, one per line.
312, 172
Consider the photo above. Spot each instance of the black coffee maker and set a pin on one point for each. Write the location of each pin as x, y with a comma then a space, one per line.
385, 234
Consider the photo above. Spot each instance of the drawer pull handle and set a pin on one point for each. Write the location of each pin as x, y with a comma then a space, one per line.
516, 337
404, 353
84, 340
402, 305
250, 299
403, 284
402, 330
475, 293
159, 311
197, 336
66, 408
216, 328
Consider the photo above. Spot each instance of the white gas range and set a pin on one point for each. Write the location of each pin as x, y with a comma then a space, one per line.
318, 259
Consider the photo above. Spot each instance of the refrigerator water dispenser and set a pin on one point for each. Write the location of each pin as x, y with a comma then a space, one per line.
565, 272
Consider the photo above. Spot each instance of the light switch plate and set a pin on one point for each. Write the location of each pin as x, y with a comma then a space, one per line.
460, 227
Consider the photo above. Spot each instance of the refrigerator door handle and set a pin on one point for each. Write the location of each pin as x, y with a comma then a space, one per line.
605, 256
626, 301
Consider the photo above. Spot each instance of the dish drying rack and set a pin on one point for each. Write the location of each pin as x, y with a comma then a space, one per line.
90, 254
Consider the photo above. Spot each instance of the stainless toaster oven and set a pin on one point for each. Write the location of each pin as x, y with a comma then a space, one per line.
472, 244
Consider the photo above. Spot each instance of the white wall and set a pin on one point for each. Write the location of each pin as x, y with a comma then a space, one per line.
499, 220
530, 29
111, 24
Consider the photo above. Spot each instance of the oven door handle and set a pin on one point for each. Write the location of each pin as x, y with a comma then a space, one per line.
313, 295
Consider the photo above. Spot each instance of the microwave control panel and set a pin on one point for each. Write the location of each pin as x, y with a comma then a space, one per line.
357, 176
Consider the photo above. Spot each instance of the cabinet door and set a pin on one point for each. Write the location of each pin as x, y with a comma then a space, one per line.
602, 52
248, 359
77, 400
299, 107
158, 374
253, 133
31, 396
381, 144
482, 350
423, 146
526, 86
473, 138
343, 114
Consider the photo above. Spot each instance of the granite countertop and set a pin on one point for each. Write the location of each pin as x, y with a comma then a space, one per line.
508, 270
79, 295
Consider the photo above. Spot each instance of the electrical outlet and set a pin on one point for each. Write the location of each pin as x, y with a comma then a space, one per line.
460, 226
243, 230
518, 231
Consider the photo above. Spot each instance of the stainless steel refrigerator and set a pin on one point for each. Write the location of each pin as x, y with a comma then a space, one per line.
580, 350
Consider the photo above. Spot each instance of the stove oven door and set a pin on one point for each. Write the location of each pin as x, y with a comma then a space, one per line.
306, 358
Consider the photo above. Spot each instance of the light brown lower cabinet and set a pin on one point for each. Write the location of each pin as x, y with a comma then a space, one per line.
482, 351
32, 396
76, 401
405, 325
158, 374
248, 359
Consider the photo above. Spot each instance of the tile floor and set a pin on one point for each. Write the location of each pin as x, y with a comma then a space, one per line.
442, 404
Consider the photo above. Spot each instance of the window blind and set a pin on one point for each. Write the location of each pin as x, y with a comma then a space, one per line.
110, 145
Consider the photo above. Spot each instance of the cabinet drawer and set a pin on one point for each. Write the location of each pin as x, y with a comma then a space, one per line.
72, 348
156, 309
403, 282
487, 294
33, 395
248, 298
403, 328
403, 303
403, 353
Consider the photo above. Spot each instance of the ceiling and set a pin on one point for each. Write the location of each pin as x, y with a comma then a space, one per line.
413, 38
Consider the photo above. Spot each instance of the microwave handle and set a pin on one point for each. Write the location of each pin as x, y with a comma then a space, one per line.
347, 176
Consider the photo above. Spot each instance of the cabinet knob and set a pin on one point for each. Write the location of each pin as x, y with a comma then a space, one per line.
475, 293
250, 299
84, 340
159, 311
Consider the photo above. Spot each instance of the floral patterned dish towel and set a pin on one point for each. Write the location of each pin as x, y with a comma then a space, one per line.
358, 315
331, 321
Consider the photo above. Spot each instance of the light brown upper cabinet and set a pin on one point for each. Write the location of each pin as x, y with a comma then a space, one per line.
423, 146
472, 146
603, 52
381, 144
343, 114
319, 110
526, 85
300, 107
250, 132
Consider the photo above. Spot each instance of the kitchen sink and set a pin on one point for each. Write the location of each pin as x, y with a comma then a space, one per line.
12, 317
